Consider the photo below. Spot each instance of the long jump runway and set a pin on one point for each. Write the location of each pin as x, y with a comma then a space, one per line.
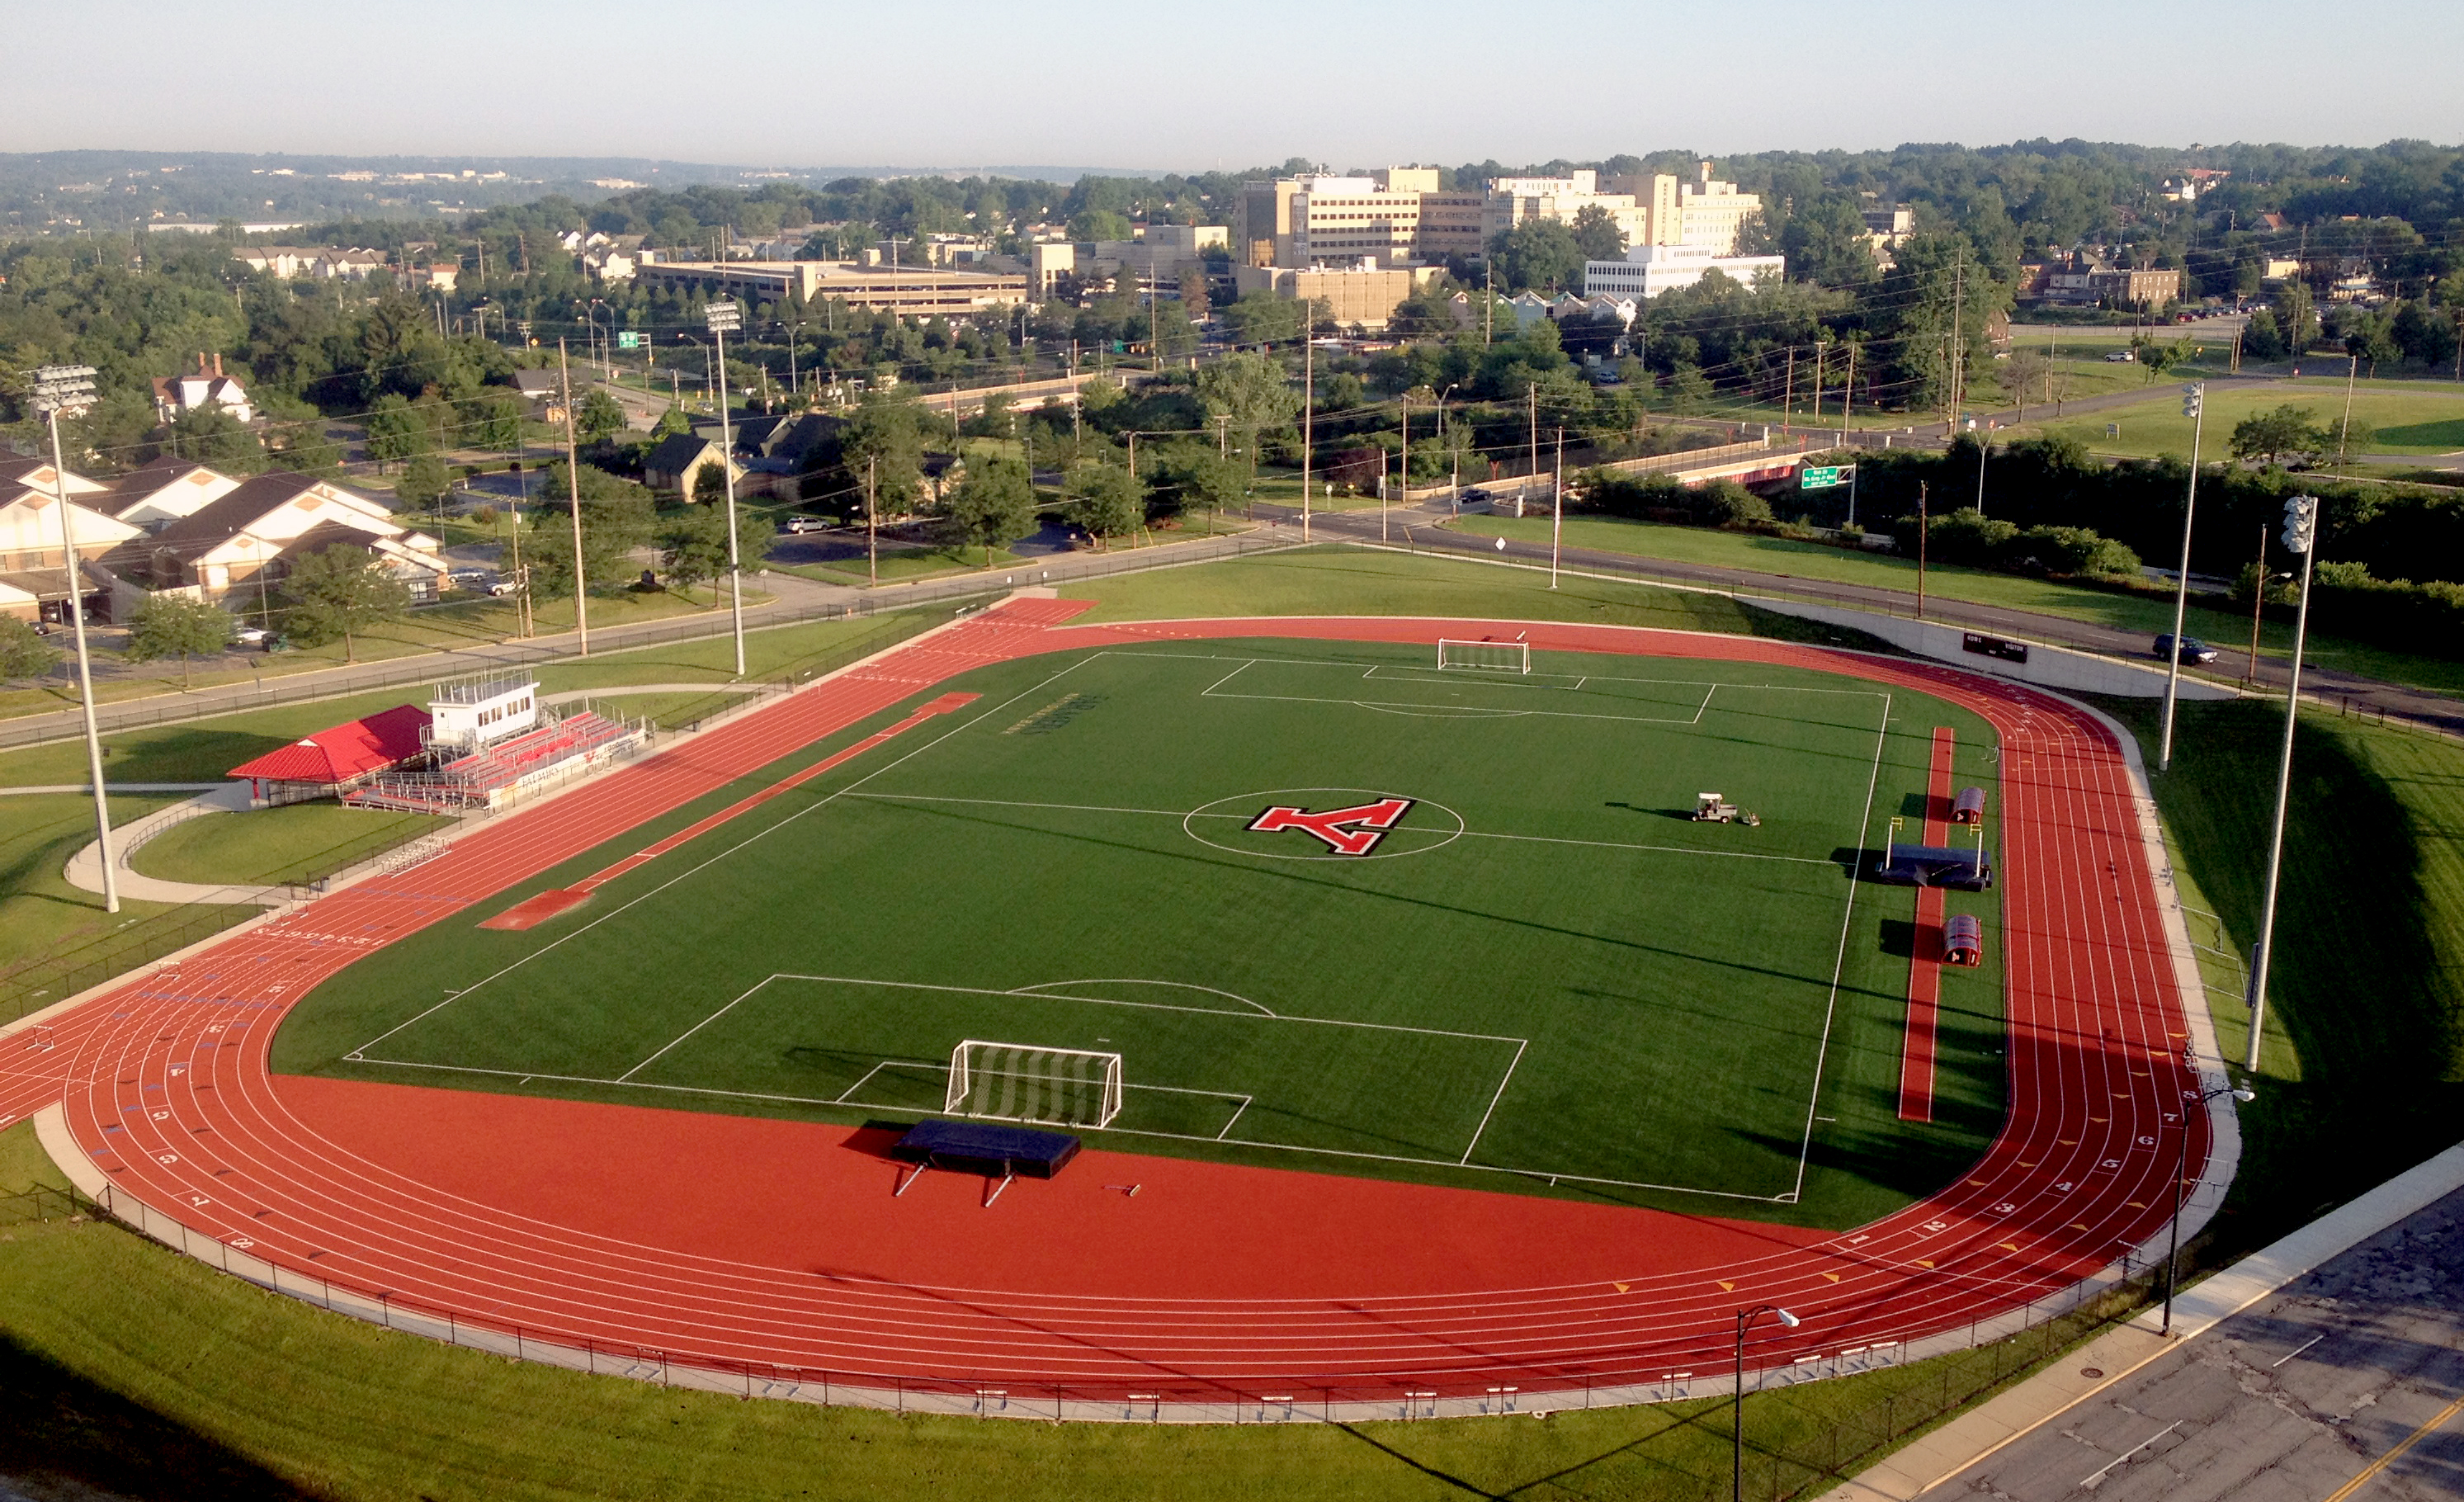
766, 1245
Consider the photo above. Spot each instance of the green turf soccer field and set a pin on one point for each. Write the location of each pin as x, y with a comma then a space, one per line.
1542, 977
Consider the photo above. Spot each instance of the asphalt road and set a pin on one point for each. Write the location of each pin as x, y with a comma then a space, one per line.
2324, 684
2292, 1400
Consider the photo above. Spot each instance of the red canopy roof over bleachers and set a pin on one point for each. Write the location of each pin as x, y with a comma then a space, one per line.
344, 752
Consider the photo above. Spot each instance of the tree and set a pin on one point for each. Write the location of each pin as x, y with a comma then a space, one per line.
1596, 232
710, 485
491, 422
1104, 499
2297, 317
599, 416
23, 652
422, 484
1251, 393
177, 626
342, 592
2156, 357
1688, 389
1825, 242
2270, 436
395, 431
693, 547
1099, 223
1539, 253
1260, 318
1202, 477
616, 518
2261, 339
994, 506
214, 438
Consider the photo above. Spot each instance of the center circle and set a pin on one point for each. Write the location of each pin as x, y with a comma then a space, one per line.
1357, 823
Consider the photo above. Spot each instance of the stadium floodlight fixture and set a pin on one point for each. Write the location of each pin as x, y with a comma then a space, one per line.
59, 390
724, 317
2194, 396
2301, 534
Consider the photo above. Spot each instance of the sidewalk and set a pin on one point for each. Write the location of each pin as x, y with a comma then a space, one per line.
84, 870
1937, 1457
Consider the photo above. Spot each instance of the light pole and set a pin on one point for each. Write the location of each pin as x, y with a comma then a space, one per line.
724, 317
1445, 436
2180, 1166
1737, 1413
2301, 531
70, 389
2193, 408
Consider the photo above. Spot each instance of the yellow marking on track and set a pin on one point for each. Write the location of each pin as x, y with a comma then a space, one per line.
1621, 1287
1728, 1288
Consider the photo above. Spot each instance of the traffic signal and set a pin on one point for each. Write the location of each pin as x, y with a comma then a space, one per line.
2301, 522
2192, 395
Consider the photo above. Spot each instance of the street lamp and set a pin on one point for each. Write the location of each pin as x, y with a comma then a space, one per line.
2301, 534
2182, 1165
724, 318
1737, 1424
70, 389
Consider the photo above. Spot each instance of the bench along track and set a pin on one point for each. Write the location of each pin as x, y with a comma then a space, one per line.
165, 1083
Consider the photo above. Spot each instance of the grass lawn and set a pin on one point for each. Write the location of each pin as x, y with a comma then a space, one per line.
129, 1367
2148, 610
42, 915
1560, 798
2409, 417
2374, 845
297, 843
667, 711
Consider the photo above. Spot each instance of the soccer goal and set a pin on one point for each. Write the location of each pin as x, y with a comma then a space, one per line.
1489, 656
1025, 1082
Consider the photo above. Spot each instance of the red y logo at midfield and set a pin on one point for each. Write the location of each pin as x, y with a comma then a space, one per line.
1351, 831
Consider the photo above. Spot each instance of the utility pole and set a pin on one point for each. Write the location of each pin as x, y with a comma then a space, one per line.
2193, 408
1922, 530
1534, 471
1557, 510
724, 317
1788, 391
871, 531
573, 500
1308, 412
1403, 406
70, 389
1848, 393
1958, 349
1820, 348
2345, 428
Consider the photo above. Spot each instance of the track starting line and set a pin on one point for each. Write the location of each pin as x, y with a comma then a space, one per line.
532, 911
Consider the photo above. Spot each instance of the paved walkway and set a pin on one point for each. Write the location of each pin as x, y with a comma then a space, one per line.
84, 870
114, 787
2241, 1400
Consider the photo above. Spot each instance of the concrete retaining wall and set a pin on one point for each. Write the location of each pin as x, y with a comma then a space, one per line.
2046, 667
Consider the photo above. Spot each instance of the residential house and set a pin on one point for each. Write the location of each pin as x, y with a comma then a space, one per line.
277, 261
257, 532
679, 460
434, 276
209, 386
162, 490
33, 558
544, 391
778, 444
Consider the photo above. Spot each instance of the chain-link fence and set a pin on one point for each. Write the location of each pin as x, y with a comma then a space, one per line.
39, 983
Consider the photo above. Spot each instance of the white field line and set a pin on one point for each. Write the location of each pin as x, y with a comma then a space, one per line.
686, 1033
963, 723
1493, 1104
1847, 913
1478, 834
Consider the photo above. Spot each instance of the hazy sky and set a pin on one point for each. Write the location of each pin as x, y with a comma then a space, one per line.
937, 83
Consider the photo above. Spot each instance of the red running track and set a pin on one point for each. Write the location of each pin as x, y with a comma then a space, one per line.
1918, 1042
694, 1235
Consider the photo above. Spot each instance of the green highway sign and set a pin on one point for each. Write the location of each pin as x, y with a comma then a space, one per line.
626, 339
1823, 476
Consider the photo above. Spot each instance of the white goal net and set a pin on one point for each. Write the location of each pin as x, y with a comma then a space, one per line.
1488, 657
1030, 1083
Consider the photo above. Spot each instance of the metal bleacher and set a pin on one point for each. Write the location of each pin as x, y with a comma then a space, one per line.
477, 778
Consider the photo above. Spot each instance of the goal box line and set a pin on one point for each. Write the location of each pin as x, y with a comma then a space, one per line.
1491, 657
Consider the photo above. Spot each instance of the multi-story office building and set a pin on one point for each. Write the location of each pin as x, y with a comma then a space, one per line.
1399, 216
916, 291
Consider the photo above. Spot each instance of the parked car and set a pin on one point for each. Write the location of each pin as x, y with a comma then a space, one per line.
798, 525
2122, 357
2194, 650
250, 636
502, 587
